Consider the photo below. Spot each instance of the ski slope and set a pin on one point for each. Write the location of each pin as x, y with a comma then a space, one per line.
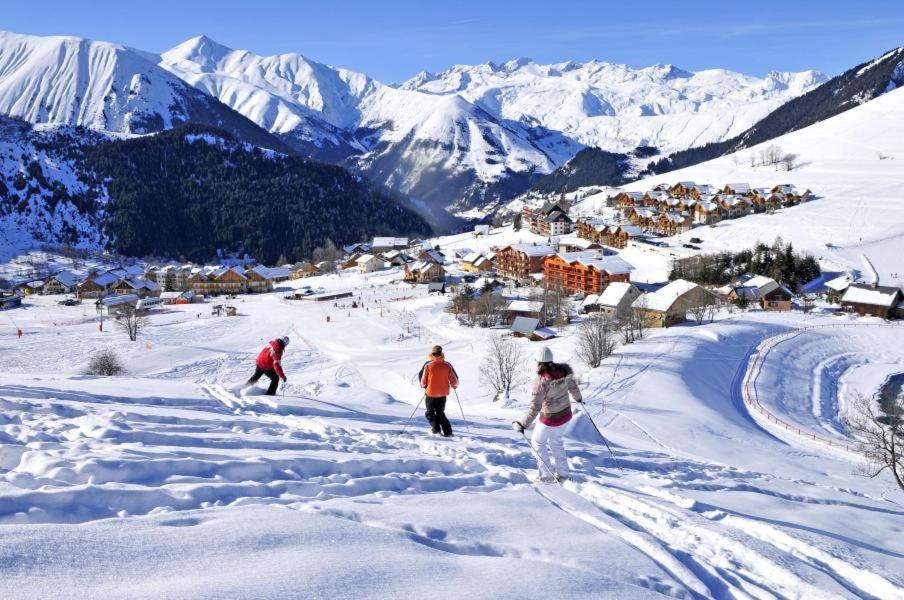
163, 482
853, 163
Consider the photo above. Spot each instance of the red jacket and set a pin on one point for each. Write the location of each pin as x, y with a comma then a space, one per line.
270, 357
437, 376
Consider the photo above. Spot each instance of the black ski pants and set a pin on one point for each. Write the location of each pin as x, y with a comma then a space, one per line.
274, 379
436, 414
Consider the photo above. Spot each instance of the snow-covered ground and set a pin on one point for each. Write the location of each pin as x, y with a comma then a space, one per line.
162, 483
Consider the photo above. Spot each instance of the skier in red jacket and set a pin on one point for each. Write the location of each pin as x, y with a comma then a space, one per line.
269, 364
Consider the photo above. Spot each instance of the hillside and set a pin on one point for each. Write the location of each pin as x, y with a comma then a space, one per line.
182, 193
853, 164
852, 88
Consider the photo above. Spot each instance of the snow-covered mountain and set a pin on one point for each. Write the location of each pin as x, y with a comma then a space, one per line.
440, 149
616, 107
471, 135
103, 86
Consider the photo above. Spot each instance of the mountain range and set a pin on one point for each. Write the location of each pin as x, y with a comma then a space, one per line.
451, 144
458, 139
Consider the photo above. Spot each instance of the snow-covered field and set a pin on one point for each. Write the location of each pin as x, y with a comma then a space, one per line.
162, 483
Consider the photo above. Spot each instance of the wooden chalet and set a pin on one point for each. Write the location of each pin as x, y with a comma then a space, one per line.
669, 224
521, 260
872, 300
424, 271
668, 305
584, 272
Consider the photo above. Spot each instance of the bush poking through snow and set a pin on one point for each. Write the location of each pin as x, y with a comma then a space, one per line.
106, 363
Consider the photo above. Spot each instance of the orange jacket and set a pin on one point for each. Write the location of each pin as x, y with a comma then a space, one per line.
437, 376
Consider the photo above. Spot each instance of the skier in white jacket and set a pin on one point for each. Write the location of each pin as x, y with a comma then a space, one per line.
551, 389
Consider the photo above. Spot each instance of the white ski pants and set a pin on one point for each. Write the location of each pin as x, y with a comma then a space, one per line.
546, 439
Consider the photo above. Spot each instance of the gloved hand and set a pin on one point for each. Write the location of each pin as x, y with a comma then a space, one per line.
284, 379
517, 426
580, 400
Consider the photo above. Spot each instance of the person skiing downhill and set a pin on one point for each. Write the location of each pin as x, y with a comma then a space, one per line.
269, 363
549, 399
436, 377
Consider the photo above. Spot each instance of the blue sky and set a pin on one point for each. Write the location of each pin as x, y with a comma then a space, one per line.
393, 40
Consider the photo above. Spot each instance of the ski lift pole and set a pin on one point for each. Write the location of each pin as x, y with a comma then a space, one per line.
592, 422
411, 416
463, 417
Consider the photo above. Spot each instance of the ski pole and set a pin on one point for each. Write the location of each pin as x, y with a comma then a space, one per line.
417, 406
463, 418
540, 458
587, 412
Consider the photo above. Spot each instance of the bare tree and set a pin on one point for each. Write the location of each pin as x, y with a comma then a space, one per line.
880, 436
487, 309
596, 339
625, 329
131, 321
789, 161
699, 308
711, 309
105, 362
499, 370
638, 318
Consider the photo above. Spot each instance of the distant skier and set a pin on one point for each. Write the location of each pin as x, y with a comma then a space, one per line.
436, 377
549, 399
269, 363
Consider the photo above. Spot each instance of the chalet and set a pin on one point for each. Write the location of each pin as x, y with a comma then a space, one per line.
873, 300
682, 188
628, 200
655, 199
526, 327
278, 274
555, 223
395, 257
733, 206
172, 277
577, 244
381, 244
595, 230
762, 290
432, 254
368, 263
117, 305
142, 288
27, 288
481, 230
212, 281
707, 212
176, 297
642, 217
737, 189
621, 235
668, 305
585, 272
98, 285
259, 279
521, 260
423, 271
64, 282
305, 269
835, 288
669, 224
615, 301
476, 263
356, 248
523, 308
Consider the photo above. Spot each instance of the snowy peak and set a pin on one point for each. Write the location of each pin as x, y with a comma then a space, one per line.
201, 51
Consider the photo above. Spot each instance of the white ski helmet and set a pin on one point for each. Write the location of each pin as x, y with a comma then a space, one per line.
544, 355
285, 340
